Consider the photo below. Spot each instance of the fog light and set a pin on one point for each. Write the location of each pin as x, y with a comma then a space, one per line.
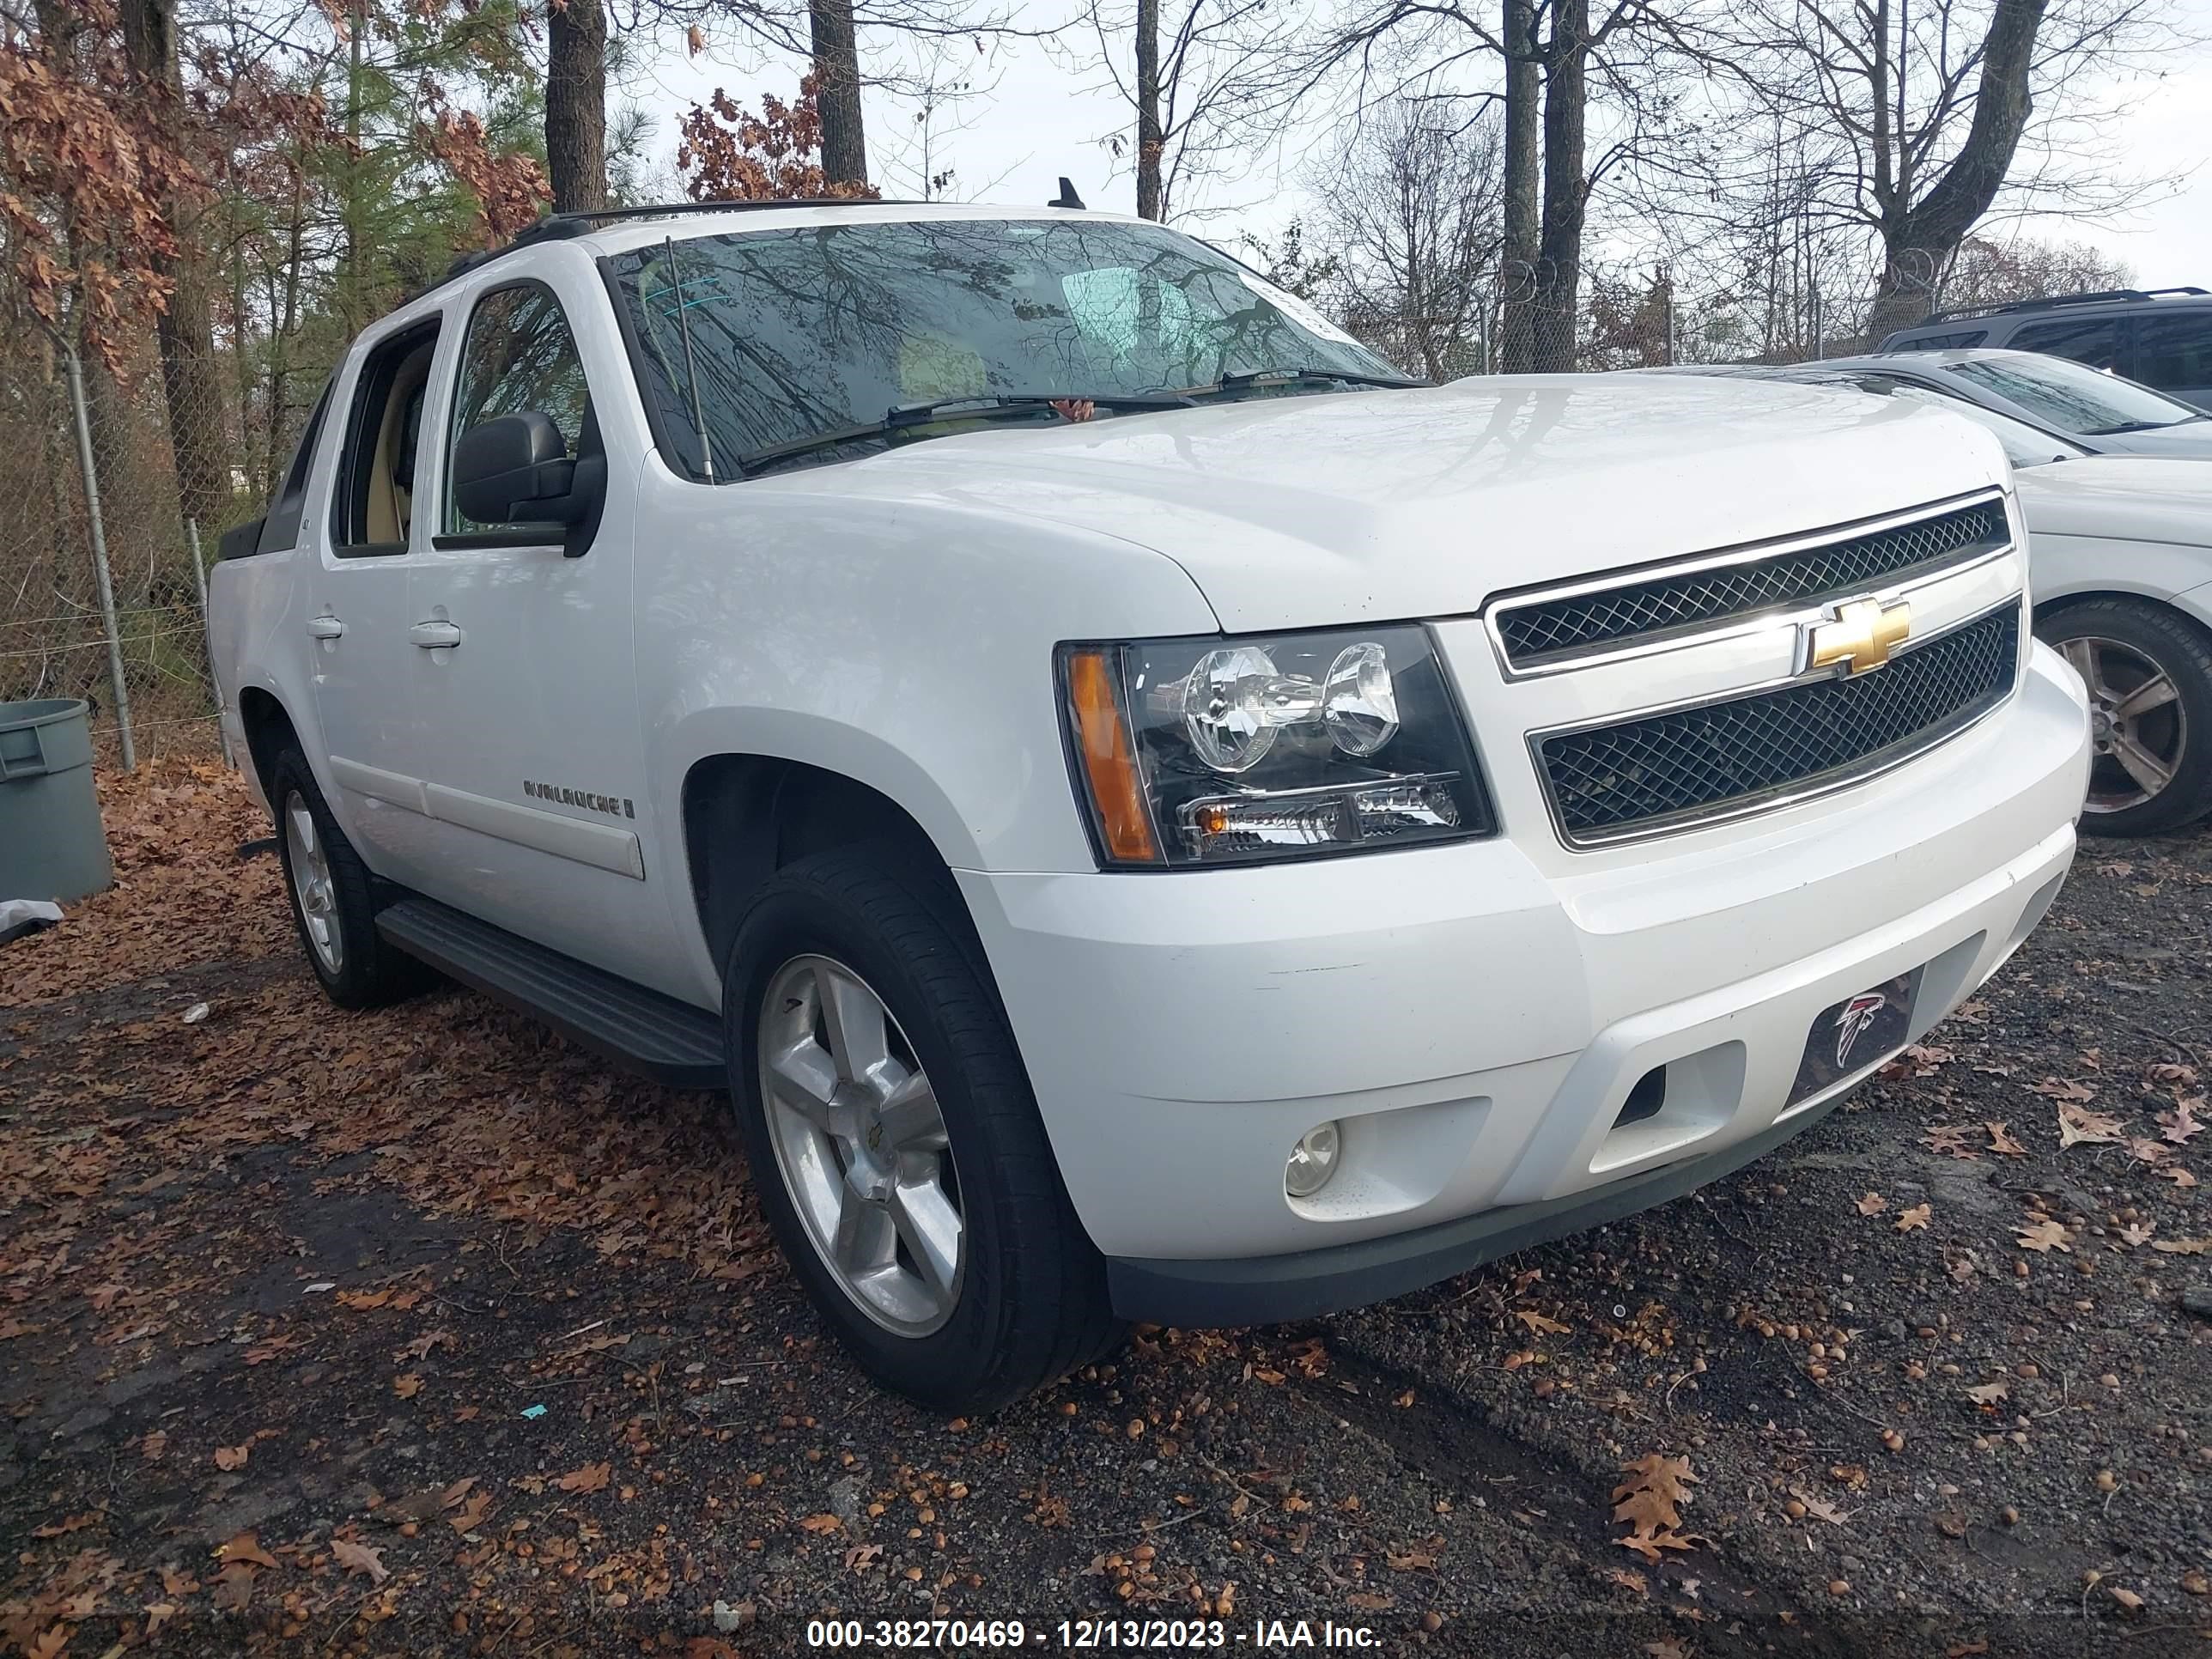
1313, 1161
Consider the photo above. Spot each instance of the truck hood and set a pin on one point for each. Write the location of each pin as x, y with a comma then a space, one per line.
1374, 505
2132, 498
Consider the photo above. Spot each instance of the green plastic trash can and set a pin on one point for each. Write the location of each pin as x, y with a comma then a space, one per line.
51, 845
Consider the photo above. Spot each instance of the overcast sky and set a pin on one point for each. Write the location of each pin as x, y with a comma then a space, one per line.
1045, 118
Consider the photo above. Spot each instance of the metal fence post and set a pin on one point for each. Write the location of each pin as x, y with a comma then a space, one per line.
100, 555
207, 639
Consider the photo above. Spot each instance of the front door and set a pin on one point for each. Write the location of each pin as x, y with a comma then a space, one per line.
524, 672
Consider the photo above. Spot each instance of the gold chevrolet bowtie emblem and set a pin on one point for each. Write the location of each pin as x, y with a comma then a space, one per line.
1863, 633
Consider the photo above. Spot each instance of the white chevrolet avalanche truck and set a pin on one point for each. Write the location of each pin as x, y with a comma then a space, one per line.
1150, 814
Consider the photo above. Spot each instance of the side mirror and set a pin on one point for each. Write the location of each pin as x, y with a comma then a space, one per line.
515, 469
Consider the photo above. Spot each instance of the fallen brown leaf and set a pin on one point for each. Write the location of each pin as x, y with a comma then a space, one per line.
1914, 1219
360, 1557
1872, 1204
2044, 1236
2078, 1127
2001, 1142
244, 1549
592, 1477
233, 1457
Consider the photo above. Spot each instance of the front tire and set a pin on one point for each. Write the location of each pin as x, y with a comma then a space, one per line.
894, 1140
333, 895
2149, 674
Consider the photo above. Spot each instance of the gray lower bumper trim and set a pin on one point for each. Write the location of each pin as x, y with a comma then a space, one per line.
1305, 1284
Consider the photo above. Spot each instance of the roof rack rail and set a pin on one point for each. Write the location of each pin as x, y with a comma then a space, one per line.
560, 226
2103, 296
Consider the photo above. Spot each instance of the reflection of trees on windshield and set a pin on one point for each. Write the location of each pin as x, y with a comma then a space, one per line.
2071, 398
800, 331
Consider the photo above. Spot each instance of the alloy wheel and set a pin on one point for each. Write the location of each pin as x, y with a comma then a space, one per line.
861, 1146
311, 889
2137, 726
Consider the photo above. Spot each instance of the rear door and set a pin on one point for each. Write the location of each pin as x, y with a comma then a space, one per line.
356, 611
522, 653
2173, 352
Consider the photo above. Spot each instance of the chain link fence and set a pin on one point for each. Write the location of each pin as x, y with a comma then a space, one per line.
132, 643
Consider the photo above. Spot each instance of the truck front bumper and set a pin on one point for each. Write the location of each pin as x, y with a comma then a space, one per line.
1475, 1018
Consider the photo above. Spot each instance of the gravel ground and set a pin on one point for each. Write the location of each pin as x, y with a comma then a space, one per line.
418, 1333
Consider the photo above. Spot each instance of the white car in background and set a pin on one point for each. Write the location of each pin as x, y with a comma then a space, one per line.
2122, 585
2100, 412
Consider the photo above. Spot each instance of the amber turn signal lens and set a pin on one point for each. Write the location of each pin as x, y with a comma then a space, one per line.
1116, 792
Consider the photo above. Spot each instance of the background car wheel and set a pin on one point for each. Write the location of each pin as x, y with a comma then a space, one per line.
333, 899
895, 1143
2149, 674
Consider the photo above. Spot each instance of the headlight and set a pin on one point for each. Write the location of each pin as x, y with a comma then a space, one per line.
1213, 751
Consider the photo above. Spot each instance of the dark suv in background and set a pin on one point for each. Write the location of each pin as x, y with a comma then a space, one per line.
2161, 336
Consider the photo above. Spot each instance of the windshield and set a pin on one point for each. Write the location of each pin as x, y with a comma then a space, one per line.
2073, 397
805, 332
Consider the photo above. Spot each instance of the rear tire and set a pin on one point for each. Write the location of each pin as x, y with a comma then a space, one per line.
333, 895
2150, 673
898, 1117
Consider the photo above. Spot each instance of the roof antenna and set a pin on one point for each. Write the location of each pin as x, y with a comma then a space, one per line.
690, 366
1068, 198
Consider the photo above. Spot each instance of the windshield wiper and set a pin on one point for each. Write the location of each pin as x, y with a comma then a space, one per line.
901, 416
1269, 379
2135, 426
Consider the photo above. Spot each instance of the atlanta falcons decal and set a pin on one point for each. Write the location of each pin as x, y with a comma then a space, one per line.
1852, 1022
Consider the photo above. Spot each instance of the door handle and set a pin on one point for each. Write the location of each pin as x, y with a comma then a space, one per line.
325, 627
435, 635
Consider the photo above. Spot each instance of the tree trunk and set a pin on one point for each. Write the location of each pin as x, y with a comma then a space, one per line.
1150, 144
1920, 239
1559, 245
191, 381
576, 105
837, 92
1517, 349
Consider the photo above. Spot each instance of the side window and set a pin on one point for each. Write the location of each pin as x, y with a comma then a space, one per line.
1951, 342
2096, 342
518, 355
373, 508
2175, 351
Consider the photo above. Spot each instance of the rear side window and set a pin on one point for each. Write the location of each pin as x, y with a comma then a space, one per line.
1955, 341
519, 356
2176, 350
373, 509
2097, 342
278, 530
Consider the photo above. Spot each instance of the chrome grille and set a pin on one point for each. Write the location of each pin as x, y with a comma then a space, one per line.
1717, 759
1546, 629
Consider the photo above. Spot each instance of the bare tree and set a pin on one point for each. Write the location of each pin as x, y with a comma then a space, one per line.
1186, 89
576, 104
1988, 273
190, 380
1409, 209
1917, 121
1552, 49
829, 34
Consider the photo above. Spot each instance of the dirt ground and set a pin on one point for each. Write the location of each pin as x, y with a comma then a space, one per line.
420, 1333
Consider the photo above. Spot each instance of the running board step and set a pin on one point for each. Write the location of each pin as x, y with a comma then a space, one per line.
670, 1042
